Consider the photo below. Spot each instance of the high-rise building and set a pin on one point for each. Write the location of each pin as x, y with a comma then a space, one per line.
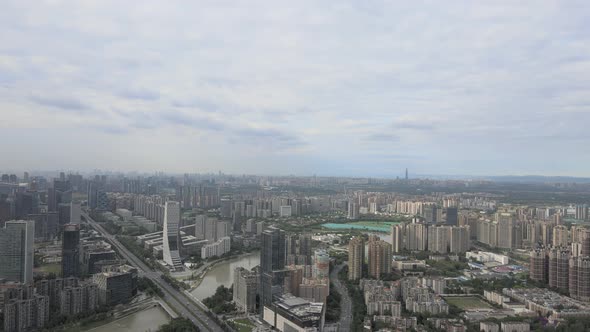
75, 213
560, 236
353, 210
16, 248
70, 261
272, 263
356, 258
171, 235
581, 212
397, 237
460, 241
416, 237
321, 264
505, 229
559, 268
299, 249
26, 314
379, 258
452, 216
538, 265
579, 278
245, 288
78, 299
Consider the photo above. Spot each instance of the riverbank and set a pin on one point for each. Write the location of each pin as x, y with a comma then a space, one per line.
195, 283
222, 273
150, 309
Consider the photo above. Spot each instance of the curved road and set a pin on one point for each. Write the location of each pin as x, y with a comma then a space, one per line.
178, 300
346, 310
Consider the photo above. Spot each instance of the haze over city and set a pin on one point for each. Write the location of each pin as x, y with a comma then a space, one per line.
330, 88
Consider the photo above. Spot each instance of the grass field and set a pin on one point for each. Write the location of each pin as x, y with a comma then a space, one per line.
50, 268
243, 325
467, 302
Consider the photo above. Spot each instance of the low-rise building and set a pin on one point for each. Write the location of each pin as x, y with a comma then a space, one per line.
294, 314
515, 327
489, 327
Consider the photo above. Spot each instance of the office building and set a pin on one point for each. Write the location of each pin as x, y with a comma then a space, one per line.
452, 216
171, 235
16, 245
116, 284
379, 260
272, 264
245, 288
356, 258
70, 261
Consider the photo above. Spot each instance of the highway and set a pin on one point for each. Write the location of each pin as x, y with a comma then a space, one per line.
346, 309
178, 300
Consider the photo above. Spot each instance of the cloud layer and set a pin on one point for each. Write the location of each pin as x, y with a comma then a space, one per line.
306, 87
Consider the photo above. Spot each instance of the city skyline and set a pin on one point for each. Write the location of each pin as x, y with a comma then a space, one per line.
347, 88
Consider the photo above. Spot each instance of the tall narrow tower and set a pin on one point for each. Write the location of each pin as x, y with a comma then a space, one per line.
406, 173
171, 235
70, 252
272, 262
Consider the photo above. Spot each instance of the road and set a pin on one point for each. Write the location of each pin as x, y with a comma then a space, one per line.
346, 310
178, 300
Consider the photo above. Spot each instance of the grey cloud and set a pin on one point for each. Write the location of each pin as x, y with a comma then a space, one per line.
195, 121
196, 103
141, 94
382, 137
66, 104
269, 135
111, 129
414, 125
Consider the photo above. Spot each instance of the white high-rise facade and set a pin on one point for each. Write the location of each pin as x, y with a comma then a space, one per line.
171, 235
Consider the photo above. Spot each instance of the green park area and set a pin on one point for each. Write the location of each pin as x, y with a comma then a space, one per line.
467, 302
243, 325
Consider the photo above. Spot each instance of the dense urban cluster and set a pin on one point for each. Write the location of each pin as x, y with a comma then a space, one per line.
335, 254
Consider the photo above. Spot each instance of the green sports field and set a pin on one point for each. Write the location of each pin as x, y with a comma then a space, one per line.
467, 302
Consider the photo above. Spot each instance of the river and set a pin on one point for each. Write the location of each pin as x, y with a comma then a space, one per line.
146, 320
223, 274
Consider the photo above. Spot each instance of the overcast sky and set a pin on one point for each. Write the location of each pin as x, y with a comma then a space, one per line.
297, 87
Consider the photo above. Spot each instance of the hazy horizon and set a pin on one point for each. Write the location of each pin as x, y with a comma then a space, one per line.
332, 88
